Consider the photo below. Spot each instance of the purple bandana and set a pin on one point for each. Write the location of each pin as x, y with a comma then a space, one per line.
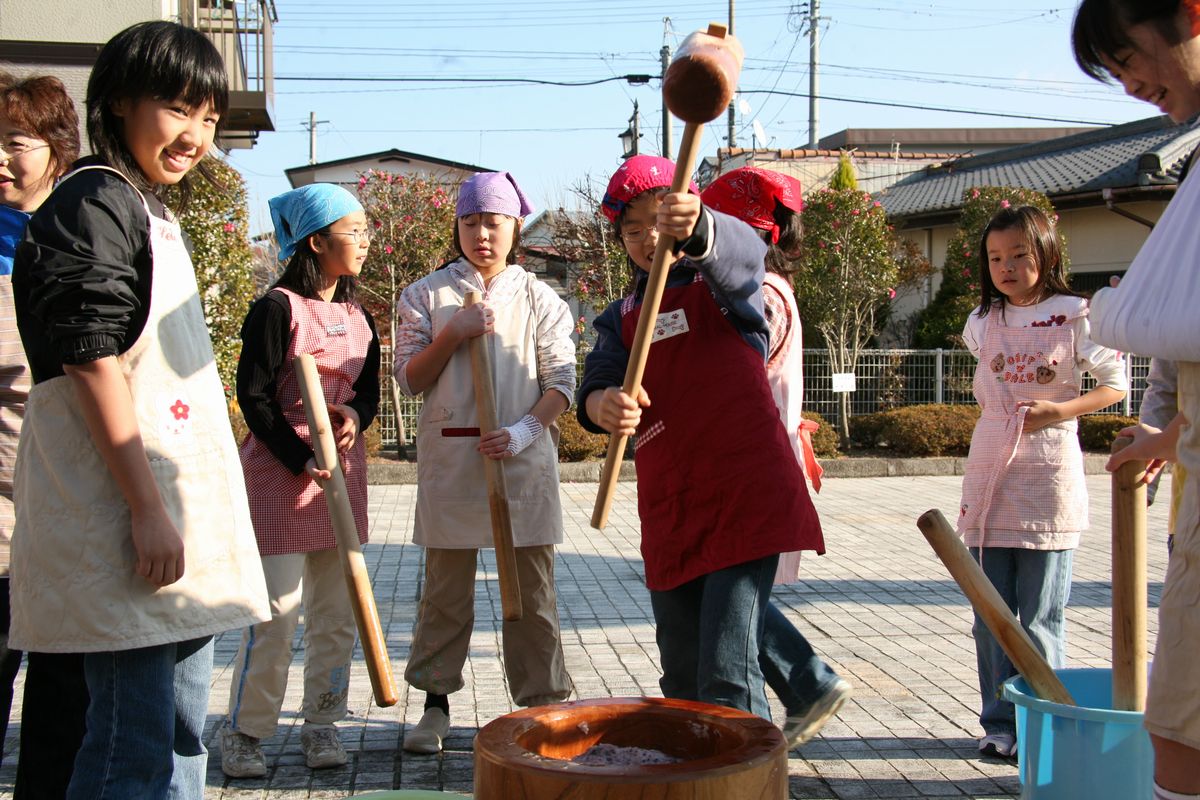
492, 193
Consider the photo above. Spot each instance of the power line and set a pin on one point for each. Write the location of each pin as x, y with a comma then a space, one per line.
632, 79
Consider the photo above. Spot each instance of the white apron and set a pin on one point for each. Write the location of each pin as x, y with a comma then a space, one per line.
1024, 489
452, 501
74, 588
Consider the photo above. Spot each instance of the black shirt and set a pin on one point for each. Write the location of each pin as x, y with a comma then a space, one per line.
81, 276
266, 334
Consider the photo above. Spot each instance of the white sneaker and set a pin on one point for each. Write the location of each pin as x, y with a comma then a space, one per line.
428, 734
321, 747
801, 728
241, 755
998, 745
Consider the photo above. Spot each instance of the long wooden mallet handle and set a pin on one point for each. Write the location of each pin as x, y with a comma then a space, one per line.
1129, 583
700, 81
493, 471
358, 582
992, 609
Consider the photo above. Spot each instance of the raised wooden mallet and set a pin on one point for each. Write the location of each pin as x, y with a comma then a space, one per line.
697, 88
992, 609
493, 471
1129, 583
358, 582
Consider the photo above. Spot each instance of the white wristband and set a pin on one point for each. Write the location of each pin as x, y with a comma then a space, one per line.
522, 433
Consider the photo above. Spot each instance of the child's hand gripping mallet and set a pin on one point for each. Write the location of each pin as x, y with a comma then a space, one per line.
1129, 583
697, 88
988, 604
502, 535
362, 598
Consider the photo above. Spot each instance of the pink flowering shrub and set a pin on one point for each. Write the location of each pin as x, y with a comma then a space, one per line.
940, 324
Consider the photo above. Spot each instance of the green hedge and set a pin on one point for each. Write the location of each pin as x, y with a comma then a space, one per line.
1097, 431
825, 440
924, 430
577, 444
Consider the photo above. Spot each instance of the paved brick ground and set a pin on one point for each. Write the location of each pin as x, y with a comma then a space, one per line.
879, 607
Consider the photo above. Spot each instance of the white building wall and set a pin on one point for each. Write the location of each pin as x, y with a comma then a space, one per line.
77, 21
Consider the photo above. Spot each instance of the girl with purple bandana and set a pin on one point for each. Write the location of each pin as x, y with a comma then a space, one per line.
528, 331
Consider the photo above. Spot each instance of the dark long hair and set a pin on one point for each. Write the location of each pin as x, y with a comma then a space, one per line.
303, 274
791, 236
1101, 29
1040, 234
151, 61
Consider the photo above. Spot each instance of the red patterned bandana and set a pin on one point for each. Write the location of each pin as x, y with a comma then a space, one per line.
638, 174
750, 194
1192, 7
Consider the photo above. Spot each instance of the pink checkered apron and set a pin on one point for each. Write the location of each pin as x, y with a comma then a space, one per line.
289, 511
1023, 489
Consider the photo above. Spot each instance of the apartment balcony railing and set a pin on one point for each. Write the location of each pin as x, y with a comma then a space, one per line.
242, 32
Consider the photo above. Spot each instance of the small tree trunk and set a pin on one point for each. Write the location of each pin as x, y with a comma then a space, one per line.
844, 420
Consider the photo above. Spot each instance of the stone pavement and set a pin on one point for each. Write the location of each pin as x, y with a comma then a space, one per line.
879, 607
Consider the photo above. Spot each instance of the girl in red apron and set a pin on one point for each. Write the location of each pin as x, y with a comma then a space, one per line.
1024, 500
707, 430
39, 140
770, 202
323, 236
133, 542
528, 331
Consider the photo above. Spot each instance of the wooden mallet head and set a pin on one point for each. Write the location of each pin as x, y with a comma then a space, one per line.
702, 78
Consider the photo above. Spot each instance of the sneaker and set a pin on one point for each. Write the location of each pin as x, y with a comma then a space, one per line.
427, 736
321, 746
999, 745
241, 755
803, 727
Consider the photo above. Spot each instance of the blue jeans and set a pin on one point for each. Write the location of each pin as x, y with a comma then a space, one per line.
790, 666
1035, 584
709, 631
145, 724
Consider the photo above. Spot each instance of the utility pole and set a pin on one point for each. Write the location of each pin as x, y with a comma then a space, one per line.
733, 100
814, 41
313, 122
665, 53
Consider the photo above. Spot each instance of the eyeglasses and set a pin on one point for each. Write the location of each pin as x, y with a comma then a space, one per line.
14, 150
358, 237
635, 235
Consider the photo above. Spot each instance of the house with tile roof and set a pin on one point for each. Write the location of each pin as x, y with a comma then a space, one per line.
1109, 186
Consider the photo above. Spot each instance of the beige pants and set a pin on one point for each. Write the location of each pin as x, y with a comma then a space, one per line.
533, 656
313, 581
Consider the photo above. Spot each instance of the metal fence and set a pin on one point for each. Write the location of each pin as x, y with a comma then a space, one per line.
883, 379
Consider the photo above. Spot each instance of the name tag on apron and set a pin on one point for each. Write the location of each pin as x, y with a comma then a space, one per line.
670, 323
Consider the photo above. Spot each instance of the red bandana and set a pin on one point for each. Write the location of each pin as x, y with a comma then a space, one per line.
638, 174
750, 194
1192, 7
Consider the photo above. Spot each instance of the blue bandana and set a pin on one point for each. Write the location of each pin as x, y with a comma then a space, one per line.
304, 211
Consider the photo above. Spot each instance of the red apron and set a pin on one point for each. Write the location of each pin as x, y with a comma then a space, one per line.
718, 481
289, 511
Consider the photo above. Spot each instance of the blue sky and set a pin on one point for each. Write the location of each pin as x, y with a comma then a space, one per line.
1012, 58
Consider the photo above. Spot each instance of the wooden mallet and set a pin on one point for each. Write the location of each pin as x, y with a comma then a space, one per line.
992, 609
1129, 583
697, 88
502, 535
362, 598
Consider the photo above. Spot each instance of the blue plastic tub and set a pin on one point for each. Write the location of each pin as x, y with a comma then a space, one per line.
1083, 752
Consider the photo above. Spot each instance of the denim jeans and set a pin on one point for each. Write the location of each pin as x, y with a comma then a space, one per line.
145, 723
709, 631
1035, 584
790, 666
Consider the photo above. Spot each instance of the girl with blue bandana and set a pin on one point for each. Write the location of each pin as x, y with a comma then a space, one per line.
323, 236
528, 330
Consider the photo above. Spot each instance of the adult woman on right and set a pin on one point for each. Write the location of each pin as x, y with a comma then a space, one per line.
1152, 48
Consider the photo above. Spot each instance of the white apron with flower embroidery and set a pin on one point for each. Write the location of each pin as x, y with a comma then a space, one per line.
1024, 489
452, 495
74, 588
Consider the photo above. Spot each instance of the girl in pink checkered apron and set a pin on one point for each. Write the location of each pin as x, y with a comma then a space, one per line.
323, 236
1024, 500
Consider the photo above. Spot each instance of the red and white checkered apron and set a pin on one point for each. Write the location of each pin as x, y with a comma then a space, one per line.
289, 511
1024, 489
